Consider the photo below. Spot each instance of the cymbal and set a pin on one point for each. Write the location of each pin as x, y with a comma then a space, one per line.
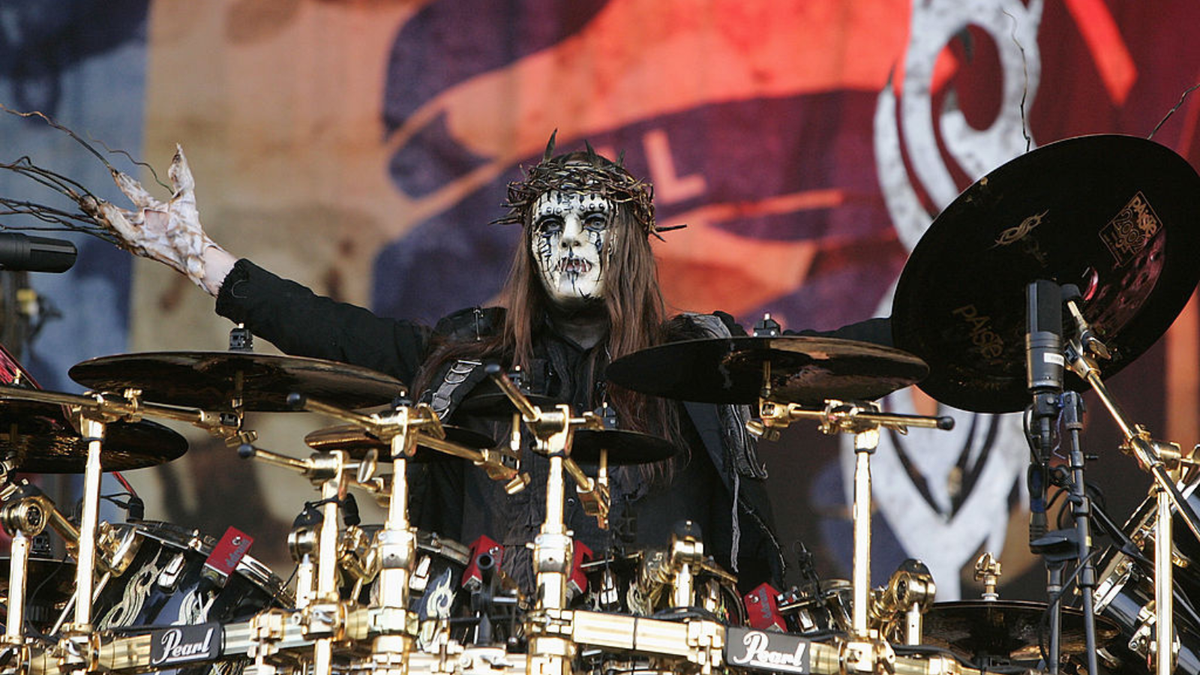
804, 369
496, 404
38, 439
1114, 215
357, 442
1006, 628
214, 380
624, 447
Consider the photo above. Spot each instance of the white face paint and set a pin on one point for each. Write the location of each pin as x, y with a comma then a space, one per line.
571, 242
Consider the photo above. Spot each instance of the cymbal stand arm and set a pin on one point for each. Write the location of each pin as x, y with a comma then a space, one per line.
128, 406
593, 493
433, 437
838, 414
492, 462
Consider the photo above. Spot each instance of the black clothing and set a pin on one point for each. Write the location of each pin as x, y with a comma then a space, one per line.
459, 501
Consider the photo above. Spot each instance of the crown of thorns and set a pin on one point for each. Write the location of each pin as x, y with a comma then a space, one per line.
581, 171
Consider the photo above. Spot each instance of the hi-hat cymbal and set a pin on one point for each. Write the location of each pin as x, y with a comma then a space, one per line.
624, 447
216, 380
804, 369
1114, 215
357, 442
1006, 629
37, 438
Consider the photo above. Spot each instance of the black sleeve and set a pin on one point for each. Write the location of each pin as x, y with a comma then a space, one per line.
302, 323
875, 331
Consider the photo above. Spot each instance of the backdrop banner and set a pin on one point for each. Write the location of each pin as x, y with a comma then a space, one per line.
362, 148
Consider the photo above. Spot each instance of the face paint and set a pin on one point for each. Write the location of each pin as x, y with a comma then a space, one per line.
571, 242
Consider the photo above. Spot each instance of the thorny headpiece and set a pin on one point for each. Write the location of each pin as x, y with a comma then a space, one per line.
582, 171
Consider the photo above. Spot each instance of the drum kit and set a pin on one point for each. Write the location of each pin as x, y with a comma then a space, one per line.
1098, 226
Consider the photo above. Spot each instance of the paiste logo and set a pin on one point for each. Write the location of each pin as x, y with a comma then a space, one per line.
985, 339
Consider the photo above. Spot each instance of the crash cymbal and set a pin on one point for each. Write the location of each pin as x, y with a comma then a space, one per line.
624, 447
1114, 215
804, 369
215, 380
1006, 629
37, 438
357, 442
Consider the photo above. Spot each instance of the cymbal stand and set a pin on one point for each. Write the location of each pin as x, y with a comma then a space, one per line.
23, 519
405, 428
320, 605
1161, 460
552, 554
863, 420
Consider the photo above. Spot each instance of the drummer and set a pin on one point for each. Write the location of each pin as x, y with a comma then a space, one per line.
582, 291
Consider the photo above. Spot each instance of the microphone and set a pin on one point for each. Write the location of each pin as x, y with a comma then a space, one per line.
1044, 378
1043, 338
22, 253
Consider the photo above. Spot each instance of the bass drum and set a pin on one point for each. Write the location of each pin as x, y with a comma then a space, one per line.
162, 585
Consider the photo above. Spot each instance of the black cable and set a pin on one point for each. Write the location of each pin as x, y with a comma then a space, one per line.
1043, 626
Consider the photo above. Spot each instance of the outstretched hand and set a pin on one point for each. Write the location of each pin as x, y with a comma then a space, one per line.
169, 232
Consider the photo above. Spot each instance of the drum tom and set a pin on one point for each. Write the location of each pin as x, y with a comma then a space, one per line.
161, 582
1125, 594
639, 584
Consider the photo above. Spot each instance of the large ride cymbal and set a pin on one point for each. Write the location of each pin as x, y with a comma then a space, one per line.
1114, 215
37, 438
1006, 629
805, 370
216, 380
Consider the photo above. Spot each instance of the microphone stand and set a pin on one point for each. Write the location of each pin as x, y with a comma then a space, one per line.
1044, 371
1081, 509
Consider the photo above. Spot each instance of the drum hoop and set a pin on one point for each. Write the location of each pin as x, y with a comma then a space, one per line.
181, 537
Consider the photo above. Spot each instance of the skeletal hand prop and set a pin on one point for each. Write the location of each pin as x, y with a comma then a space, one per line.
169, 232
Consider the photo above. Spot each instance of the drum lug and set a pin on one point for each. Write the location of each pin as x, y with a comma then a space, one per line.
608, 595
420, 575
168, 579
